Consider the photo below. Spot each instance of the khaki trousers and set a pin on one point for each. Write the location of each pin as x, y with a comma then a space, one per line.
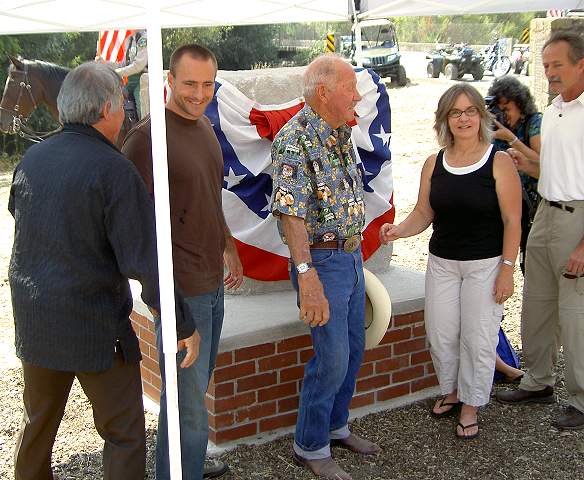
118, 413
553, 306
462, 325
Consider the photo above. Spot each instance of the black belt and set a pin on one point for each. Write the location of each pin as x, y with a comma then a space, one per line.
347, 244
561, 206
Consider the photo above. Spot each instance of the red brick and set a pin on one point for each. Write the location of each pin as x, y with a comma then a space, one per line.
409, 346
256, 381
396, 335
395, 363
257, 351
149, 364
278, 391
366, 370
260, 410
407, 374
421, 357
430, 369
224, 359
423, 383
278, 361
145, 374
287, 404
377, 353
292, 373
306, 355
372, 383
156, 382
148, 336
280, 421
139, 319
144, 347
151, 392
393, 392
232, 403
294, 343
217, 422
235, 371
221, 390
419, 331
362, 400
234, 433
408, 318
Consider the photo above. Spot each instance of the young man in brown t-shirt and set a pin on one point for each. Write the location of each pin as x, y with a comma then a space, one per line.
201, 240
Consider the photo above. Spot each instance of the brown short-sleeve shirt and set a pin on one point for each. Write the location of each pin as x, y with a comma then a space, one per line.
195, 176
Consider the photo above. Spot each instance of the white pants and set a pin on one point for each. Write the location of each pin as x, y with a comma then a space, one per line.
462, 325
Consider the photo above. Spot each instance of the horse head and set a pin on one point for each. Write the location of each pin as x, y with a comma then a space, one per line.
18, 100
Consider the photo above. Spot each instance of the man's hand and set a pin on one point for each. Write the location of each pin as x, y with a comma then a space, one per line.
314, 307
234, 276
192, 345
576, 261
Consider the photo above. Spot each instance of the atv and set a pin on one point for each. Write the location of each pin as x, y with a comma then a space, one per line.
454, 61
380, 50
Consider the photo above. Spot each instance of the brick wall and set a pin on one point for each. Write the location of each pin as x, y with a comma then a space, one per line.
255, 389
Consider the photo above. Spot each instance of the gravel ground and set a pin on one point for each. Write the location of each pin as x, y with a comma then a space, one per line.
515, 442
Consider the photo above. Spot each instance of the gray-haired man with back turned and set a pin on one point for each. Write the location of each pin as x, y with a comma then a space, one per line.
83, 226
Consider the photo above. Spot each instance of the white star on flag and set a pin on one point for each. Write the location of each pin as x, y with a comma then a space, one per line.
267, 207
232, 179
383, 136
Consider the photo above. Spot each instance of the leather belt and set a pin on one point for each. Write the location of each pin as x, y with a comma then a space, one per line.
561, 206
349, 245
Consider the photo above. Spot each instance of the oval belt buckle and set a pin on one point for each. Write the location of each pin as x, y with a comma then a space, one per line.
351, 244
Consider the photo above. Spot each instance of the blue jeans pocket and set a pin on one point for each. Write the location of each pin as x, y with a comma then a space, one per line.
320, 257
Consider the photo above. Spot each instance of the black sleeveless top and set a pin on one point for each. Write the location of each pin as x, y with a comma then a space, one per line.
467, 219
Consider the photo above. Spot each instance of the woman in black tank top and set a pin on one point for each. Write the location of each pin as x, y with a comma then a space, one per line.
471, 195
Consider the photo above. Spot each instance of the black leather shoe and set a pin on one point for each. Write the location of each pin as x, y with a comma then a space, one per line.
214, 468
571, 419
519, 396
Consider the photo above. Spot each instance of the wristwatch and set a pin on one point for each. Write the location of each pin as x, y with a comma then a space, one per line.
303, 267
507, 262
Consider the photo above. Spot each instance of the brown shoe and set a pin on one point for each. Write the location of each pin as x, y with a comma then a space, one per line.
324, 468
357, 444
571, 419
518, 396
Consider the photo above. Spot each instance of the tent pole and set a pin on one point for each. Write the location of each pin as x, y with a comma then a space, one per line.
164, 243
357, 33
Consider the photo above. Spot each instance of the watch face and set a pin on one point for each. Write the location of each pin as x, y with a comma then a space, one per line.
302, 268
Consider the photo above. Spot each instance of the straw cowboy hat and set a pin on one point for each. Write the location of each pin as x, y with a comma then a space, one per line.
377, 310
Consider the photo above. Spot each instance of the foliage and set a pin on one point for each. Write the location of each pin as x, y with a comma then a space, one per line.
477, 29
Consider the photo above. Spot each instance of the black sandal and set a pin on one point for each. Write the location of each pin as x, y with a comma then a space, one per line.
454, 406
464, 427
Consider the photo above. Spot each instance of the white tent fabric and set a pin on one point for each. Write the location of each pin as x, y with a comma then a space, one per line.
396, 8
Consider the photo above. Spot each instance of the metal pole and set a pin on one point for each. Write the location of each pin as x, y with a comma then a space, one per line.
164, 243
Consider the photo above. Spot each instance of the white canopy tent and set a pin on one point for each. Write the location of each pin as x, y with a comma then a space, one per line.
41, 16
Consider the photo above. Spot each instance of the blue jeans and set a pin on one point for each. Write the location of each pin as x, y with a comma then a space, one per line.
207, 310
330, 376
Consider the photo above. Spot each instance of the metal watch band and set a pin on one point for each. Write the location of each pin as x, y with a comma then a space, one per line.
508, 262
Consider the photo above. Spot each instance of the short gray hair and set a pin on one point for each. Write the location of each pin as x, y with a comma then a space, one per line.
574, 41
86, 90
445, 104
322, 70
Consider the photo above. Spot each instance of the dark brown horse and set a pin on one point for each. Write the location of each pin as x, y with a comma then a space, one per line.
32, 83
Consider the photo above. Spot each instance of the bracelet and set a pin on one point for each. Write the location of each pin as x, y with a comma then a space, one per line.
507, 262
514, 140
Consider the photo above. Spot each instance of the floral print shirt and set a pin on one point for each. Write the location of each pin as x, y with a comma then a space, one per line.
316, 177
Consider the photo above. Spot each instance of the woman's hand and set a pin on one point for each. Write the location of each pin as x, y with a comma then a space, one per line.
503, 133
503, 284
388, 233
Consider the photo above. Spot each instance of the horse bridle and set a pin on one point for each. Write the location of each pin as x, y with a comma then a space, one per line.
19, 123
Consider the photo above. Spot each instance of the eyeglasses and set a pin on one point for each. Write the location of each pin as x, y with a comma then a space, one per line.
571, 276
470, 112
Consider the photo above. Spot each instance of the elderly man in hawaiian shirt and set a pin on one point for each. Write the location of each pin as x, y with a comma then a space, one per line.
318, 200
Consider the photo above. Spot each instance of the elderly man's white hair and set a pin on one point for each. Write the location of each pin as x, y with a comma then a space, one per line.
322, 70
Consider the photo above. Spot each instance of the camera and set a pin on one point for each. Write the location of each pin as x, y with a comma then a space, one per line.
492, 105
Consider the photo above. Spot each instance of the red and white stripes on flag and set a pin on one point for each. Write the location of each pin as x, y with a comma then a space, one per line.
556, 13
111, 44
